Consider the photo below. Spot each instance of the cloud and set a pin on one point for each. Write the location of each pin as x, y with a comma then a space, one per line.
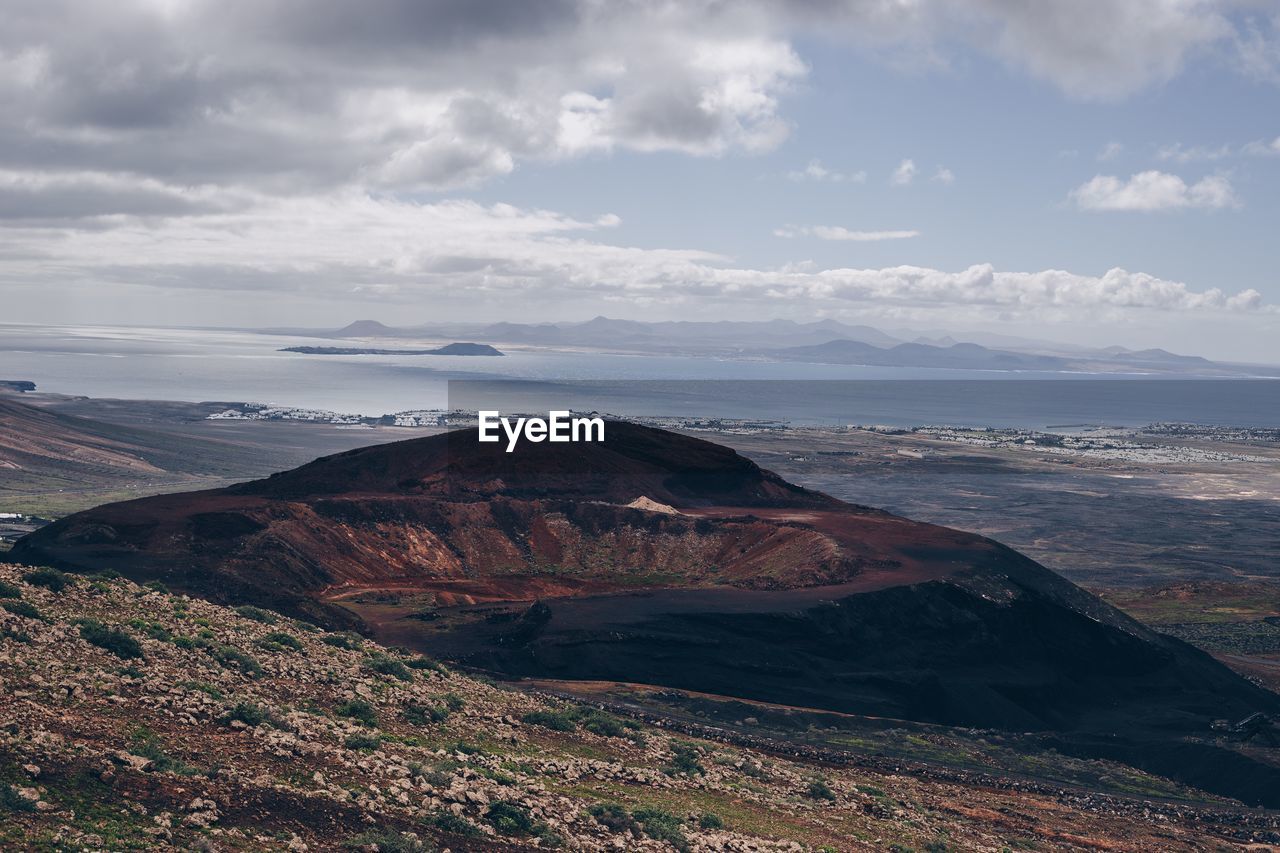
1261, 148
815, 171
436, 95
1110, 151
943, 175
335, 245
1153, 191
904, 174
835, 232
1178, 153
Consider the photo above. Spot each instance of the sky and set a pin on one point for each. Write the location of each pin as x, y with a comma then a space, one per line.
1090, 171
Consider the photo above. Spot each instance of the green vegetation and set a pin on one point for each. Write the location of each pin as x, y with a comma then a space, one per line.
153, 630
588, 719
556, 720
341, 641
146, 743
662, 826
711, 820
820, 790
23, 608
250, 714
453, 824
12, 801
278, 641
425, 663
384, 841
113, 640
509, 818
613, 817
387, 665
358, 710
8, 590
685, 760
51, 579
233, 658
362, 741
257, 614
424, 715
156, 586
454, 702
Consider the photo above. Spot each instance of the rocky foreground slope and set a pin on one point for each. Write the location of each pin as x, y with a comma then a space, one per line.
131, 718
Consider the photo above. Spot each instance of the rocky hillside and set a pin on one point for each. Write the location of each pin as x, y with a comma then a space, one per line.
131, 718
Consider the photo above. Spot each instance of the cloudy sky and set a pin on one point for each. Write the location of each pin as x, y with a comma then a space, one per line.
1097, 171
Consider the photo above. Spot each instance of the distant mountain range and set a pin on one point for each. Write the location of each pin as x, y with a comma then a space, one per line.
447, 349
820, 342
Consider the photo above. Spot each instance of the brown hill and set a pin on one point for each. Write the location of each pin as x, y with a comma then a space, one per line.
758, 588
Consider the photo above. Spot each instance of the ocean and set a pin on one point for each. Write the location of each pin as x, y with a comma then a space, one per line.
240, 366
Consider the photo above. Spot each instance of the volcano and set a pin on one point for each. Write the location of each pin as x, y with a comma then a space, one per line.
658, 558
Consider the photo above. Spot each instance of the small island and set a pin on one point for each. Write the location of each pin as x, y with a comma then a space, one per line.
448, 349
19, 385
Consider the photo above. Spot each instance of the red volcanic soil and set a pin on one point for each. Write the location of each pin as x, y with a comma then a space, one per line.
469, 522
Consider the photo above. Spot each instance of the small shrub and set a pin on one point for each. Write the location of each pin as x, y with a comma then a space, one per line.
509, 818
340, 641
233, 658
303, 625
549, 720
684, 760
156, 586
249, 714
820, 790
207, 689
468, 748
547, 837
384, 665
12, 801
8, 590
358, 710
113, 640
424, 662
663, 826
22, 608
453, 824
145, 742
278, 641
51, 579
453, 702
605, 725
186, 642
153, 630
424, 715
362, 741
613, 817
711, 820
384, 841
257, 614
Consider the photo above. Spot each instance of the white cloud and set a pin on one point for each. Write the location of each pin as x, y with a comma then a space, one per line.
1153, 191
1261, 148
836, 232
904, 174
1110, 151
1178, 153
815, 171
943, 175
335, 244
